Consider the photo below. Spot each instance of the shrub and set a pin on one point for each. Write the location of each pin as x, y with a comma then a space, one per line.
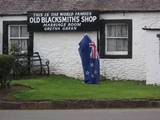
6, 64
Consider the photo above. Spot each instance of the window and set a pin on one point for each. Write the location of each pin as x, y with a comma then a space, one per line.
116, 39
17, 38
16, 35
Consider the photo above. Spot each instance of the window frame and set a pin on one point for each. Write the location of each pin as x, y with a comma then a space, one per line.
6, 36
102, 42
20, 38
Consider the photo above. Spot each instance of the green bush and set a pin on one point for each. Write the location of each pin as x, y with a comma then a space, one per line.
6, 64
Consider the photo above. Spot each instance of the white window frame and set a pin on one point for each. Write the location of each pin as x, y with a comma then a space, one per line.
114, 52
16, 38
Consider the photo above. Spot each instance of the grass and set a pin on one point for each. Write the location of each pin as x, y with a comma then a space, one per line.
59, 87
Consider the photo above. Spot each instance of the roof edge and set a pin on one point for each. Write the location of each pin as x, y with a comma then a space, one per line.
24, 14
127, 11
105, 11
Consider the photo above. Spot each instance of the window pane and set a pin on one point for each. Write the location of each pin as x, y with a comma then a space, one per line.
14, 31
124, 29
117, 44
14, 46
23, 31
111, 30
122, 45
117, 30
121, 30
18, 45
111, 45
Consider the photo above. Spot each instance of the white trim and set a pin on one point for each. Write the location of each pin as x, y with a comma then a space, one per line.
19, 37
18, 25
117, 23
118, 37
116, 52
15, 38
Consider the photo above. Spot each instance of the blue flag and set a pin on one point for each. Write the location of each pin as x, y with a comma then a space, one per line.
90, 60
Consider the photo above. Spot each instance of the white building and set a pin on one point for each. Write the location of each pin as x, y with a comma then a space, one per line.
126, 35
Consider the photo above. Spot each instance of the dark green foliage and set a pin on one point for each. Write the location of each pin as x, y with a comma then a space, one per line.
6, 64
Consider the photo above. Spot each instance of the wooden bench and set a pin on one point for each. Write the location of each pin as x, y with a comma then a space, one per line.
37, 62
25, 64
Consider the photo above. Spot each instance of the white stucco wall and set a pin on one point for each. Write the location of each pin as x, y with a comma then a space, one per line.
8, 18
62, 51
152, 57
135, 68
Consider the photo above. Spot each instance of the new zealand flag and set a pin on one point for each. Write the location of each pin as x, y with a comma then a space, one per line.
90, 60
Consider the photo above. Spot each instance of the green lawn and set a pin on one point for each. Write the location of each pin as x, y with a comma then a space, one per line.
58, 87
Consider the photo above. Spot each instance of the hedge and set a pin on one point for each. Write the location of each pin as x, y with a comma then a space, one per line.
6, 64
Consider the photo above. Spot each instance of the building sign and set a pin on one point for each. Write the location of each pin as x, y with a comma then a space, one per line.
63, 21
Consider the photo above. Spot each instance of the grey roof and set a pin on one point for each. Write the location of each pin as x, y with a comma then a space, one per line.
19, 7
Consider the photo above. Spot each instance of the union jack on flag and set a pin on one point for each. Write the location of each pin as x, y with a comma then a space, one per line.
94, 53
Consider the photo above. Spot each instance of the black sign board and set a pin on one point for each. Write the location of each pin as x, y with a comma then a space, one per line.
63, 21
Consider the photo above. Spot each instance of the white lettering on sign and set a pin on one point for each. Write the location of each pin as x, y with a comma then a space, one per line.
54, 24
52, 28
74, 24
88, 19
69, 28
59, 19
63, 21
37, 14
54, 14
83, 13
34, 19
66, 14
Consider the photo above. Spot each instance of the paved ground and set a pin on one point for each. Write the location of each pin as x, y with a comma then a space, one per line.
90, 114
